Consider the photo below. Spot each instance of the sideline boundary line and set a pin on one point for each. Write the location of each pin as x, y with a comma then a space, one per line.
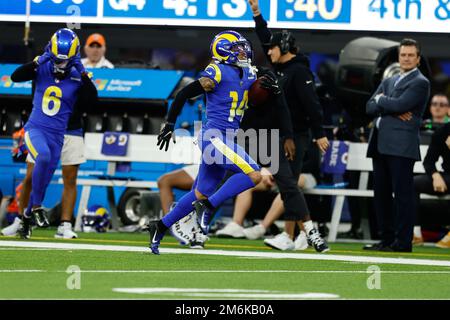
267, 255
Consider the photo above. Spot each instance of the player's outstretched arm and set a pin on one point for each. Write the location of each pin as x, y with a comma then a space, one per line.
190, 91
25, 72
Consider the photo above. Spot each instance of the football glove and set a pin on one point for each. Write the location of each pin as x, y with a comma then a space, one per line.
269, 82
164, 136
76, 62
42, 59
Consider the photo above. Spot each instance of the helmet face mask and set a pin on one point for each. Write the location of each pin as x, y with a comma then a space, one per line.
229, 47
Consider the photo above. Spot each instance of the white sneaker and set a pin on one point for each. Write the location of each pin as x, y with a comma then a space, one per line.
231, 230
65, 231
13, 228
280, 242
301, 243
255, 232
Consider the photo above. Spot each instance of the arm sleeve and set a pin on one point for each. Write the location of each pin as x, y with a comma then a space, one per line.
190, 91
417, 92
263, 33
434, 151
25, 72
306, 93
88, 96
372, 108
284, 117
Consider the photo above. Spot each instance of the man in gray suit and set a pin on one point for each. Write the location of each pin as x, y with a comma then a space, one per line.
397, 107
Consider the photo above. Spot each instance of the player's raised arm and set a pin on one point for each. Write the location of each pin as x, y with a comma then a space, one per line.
27, 71
190, 91
263, 33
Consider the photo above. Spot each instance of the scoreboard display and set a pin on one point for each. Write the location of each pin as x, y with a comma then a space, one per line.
353, 15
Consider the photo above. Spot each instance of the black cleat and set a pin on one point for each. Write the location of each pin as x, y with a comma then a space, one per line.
25, 228
204, 214
155, 236
40, 217
315, 240
380, 246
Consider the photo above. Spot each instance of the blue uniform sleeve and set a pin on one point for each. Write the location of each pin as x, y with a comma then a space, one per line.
213, 72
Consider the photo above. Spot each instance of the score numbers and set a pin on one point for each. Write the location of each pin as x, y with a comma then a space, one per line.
232, 8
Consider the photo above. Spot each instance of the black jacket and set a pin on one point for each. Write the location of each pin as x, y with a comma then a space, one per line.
297, 82
438, 148
272, 114
87, 95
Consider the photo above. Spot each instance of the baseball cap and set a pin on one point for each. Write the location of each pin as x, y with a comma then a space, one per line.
96, 38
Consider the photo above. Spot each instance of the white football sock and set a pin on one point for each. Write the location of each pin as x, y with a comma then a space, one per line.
308, 225
418, 231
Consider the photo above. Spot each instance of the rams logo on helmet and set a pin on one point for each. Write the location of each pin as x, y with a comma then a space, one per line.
230, 47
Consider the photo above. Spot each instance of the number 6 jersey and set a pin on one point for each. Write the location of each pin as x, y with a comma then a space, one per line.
54, 99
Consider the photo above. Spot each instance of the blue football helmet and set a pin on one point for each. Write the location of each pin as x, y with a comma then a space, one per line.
63, 47
95, 219
230, 47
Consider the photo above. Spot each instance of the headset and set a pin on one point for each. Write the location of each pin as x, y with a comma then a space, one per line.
286, 41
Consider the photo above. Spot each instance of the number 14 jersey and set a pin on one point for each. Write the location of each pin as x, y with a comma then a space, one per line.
225, 105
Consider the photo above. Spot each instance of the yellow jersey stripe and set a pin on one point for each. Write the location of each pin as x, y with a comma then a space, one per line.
30, 146
232, 156
218, 76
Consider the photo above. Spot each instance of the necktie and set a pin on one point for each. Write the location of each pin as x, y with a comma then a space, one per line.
397, 80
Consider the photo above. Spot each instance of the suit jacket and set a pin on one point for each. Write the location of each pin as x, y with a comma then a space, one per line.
394, 136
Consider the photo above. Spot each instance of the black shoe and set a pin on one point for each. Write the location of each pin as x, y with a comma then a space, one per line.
323, 230
204, 215
352, 234
375, 247
25, 228
155, 236
315, 240
396, 248
40, 217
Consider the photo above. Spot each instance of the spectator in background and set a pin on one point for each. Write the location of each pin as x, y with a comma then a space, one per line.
439, 110
397, 107
433, 181
95, 49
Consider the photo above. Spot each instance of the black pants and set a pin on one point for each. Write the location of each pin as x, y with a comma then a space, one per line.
394, 175
424, 184
287, 179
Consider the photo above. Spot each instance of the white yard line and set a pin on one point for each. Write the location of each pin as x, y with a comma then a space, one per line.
429, 272
267, 255
20, 271
227, 293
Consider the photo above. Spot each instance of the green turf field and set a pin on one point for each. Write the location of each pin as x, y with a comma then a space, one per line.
36, 273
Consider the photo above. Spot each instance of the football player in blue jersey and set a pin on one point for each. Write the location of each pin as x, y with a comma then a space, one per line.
225, 82
59, 80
